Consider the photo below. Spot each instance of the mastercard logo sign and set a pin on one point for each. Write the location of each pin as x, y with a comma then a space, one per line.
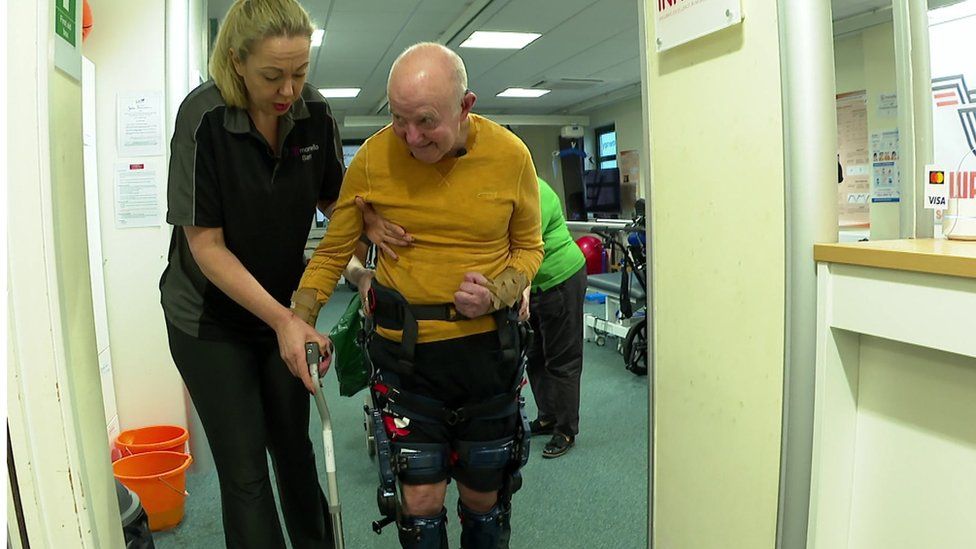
936, 177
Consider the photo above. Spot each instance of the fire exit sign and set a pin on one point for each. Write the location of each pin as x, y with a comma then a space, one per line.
64, 20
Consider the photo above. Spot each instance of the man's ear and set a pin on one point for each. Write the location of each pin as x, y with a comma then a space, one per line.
467, 102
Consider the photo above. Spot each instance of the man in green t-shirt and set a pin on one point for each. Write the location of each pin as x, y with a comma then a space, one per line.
554, 306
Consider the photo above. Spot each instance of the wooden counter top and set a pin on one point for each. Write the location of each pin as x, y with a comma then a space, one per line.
927, 255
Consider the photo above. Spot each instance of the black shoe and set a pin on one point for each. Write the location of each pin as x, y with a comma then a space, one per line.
558, 445
539, 427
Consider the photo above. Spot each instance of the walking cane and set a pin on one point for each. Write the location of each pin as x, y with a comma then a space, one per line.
313, 357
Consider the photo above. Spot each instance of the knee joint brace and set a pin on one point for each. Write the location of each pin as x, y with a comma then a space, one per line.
424, 532
420, 462
481, 530
495, 454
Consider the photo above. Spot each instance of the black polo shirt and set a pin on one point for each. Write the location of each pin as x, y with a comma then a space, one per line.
223, 173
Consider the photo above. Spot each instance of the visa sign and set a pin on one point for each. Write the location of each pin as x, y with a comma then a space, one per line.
936, 197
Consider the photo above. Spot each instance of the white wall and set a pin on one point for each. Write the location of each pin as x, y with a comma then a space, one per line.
353, 132
627, 119
953, 40
718, 283
129, 55
56, 422
95, 258
542, 142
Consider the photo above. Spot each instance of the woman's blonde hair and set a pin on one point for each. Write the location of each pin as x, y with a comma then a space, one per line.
248, 22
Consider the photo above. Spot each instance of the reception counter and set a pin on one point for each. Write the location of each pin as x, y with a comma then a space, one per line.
894, 441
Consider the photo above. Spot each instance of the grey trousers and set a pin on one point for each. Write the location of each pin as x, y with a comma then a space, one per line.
556, 355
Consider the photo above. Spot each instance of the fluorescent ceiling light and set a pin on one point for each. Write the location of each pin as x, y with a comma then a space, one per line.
317, 36
500, 40
523, 92
339, 92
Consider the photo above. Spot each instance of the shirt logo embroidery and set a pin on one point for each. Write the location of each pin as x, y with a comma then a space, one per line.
304, 152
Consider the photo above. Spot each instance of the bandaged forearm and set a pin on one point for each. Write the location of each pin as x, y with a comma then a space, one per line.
506, 288
305, 304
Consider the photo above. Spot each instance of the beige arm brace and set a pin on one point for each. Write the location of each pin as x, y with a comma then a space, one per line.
506, 289
305, 304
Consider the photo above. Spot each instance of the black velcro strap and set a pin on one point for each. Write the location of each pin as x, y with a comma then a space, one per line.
494, 454
391, 311
507, 335
498, 406
420, 459
408, 340
445, 312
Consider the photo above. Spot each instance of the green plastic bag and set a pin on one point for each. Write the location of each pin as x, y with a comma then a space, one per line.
348, 361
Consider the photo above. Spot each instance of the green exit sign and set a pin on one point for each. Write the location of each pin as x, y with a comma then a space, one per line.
64, 19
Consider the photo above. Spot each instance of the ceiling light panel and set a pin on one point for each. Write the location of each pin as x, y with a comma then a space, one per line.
523, 92
317, 36
339, 92
500, 40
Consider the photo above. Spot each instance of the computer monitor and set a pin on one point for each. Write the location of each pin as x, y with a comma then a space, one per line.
602, 192
349, 149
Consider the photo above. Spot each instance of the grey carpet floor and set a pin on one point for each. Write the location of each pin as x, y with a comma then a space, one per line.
595, 496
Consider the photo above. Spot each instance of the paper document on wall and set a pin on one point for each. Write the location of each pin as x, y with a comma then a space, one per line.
136, 196
885, 179
853, 183
140, 120
628, 162
888, 105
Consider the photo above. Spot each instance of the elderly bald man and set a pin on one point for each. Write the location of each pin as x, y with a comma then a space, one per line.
447, 371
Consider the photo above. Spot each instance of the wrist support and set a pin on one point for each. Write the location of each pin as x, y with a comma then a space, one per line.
305, 305
506, 288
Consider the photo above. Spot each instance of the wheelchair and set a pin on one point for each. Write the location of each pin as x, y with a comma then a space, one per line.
626, 306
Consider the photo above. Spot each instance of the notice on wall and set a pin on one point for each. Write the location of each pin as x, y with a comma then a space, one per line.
136, 196
885, 179
629, 164
888, 105
853, 185
679, 21
140, 120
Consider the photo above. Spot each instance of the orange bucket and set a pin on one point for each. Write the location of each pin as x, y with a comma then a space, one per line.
159, 479
159, 438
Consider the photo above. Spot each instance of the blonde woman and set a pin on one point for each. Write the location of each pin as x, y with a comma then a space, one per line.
254, 152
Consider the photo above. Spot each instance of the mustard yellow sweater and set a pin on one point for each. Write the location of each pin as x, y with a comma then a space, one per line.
475, 213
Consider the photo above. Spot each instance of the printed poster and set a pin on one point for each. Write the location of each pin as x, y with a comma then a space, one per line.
885, 179
140, 120
853, 183
136, 196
